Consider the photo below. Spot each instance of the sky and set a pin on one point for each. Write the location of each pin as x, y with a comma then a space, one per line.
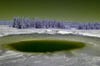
67, 10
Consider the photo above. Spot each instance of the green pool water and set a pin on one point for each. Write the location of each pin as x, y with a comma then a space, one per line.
44, 45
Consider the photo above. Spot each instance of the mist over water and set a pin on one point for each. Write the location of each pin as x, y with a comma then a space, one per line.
61, 10
69, 10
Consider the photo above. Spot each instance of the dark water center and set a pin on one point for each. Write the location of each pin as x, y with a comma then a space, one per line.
45, 45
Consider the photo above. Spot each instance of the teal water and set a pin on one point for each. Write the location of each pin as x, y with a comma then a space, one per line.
45, 45
91, 47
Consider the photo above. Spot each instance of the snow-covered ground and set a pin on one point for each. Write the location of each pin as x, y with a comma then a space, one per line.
89, 56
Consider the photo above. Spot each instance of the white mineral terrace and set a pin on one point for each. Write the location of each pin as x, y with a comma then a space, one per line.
88, 56
6, 30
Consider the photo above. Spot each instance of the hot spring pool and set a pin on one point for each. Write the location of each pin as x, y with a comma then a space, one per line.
45, 45
49, 50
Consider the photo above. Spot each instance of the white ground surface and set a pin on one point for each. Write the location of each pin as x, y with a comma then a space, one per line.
11, 58
6, 30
